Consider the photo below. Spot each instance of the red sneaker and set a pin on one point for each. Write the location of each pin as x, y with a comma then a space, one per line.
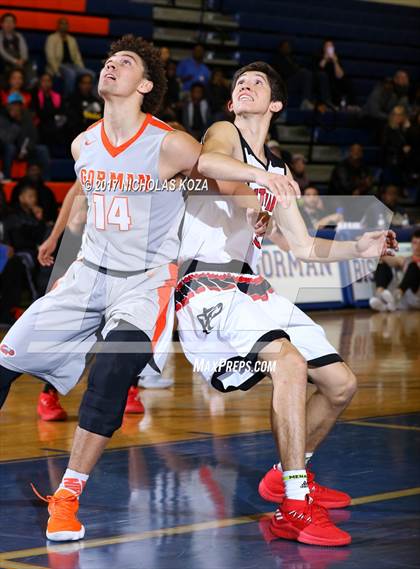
134, 405
307, 522
49, 407
271, 488
326, 497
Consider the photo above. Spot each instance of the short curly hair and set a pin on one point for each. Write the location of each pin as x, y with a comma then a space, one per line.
153, 68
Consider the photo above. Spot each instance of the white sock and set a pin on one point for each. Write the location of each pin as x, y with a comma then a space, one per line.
296, 484
308, 456
74, 481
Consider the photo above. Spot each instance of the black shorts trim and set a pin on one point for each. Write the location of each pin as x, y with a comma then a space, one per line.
325, 360
251, 357
195, 266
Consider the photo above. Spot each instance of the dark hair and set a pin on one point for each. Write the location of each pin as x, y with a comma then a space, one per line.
277, 85
415, 234
8, 15
153, 68
198, 84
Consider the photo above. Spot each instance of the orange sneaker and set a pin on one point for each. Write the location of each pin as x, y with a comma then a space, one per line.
49, 407
134, 405
63, 524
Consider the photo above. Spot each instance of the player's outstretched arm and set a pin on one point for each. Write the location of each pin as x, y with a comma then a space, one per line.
180, 155
307, 248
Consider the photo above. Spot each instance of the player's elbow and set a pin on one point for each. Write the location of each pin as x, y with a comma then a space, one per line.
205, 164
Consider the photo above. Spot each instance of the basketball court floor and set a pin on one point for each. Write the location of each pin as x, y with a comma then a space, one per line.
177, 488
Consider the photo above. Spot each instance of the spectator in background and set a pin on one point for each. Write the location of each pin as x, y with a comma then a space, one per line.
395, 147
313, 211
390, 195
165, 55
406, 294
278, 151
196, 112
26, 231
333, 84
15, 83
63, 56
413, 155
83, 107
193, 70
218, 93
12, 271
19, 138
386, 95
45, 196
351, 176
298, 169
298, 79
49, 116
13, 48
171, 104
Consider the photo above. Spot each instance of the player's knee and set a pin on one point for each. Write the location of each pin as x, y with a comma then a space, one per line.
346, 388
289, 361
111, 376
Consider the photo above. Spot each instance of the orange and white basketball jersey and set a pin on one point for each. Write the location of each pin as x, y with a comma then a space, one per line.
132, 220
216, 229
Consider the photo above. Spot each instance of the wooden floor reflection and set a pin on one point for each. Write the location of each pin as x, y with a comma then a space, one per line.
382, 349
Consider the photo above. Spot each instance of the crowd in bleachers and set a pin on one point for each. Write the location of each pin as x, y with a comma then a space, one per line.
43, 109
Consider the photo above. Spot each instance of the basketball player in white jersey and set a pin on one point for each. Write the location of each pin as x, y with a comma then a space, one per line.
230, 317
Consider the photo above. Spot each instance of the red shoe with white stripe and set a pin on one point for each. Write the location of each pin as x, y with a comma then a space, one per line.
307, 522
134, 405
271, 488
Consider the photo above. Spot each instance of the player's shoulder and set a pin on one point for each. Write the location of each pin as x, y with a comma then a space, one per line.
158, 124
85, 137
222, 128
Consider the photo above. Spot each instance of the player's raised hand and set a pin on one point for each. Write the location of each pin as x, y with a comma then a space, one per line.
46, 250
377, 244
281, 186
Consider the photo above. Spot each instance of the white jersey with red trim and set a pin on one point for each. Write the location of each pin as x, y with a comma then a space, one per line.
133, 219
216, 230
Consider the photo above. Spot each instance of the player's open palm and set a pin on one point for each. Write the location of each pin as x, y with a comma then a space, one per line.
377, 244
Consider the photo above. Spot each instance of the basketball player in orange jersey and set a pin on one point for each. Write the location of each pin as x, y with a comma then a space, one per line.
125, 272
230, 316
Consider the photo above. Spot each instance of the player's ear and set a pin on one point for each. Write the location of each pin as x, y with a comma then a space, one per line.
144, 87
230, 106
275, 106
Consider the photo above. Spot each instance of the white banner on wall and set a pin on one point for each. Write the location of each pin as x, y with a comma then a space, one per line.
298, 281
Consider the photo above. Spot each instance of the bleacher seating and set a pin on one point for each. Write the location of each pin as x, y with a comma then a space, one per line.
372, 40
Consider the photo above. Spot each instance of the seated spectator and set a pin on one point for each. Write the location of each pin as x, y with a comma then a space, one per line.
83, 107
386, 95
19, 138
298, 79
50, 119
26, 231
298, 169
15, 82
45, 196
218, 93
196, 112
395, 147
278, 151
313, 211
165, 55
63, 56
192, 69
13, 48
171, 103
333, 84
413, 154
406, 294
390, 195
351, 176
